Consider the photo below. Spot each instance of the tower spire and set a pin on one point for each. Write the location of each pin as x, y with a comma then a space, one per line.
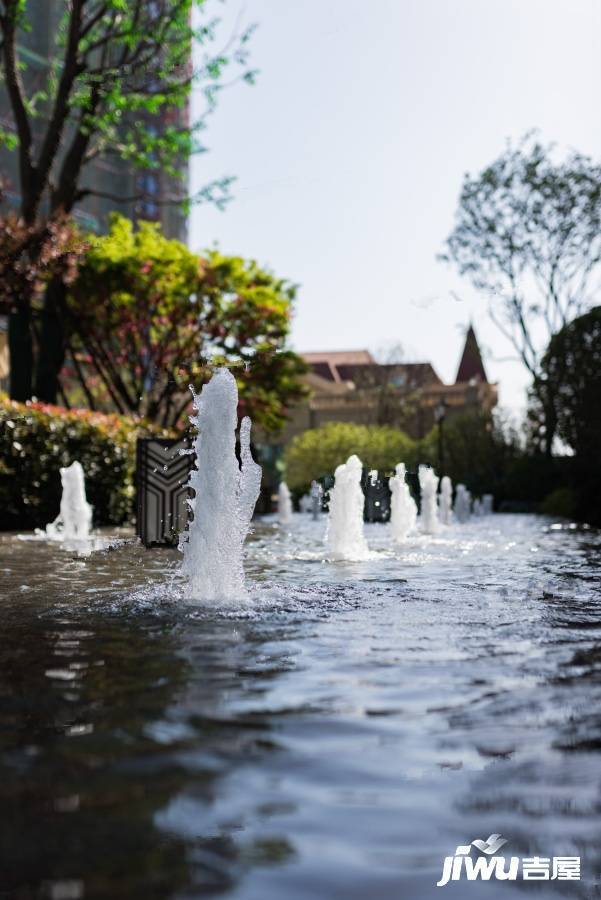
471, 365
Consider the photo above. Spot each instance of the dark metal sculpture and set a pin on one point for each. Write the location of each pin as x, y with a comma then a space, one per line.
162, 473
375, 490
377, 496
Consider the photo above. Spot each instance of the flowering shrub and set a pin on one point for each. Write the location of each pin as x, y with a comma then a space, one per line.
37, 439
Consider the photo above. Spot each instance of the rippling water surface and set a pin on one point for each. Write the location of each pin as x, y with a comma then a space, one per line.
336, 738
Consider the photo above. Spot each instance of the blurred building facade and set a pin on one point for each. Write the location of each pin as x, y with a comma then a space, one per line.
351, 386
114, 177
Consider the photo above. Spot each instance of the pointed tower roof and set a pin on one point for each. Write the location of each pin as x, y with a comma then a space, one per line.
471, 365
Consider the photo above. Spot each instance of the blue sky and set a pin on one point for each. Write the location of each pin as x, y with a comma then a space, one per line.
350, 151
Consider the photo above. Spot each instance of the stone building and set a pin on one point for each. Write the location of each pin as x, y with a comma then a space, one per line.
351, 386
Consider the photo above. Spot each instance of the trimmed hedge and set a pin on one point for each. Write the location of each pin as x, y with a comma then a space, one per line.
318, 451
37, 439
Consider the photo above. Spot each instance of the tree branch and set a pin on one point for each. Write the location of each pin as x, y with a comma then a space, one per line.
71, 68
15, 90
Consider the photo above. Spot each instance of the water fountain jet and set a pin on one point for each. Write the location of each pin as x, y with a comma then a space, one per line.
225, 494
428, 483
74, 520
345, 539
462, 508
445, 501
403, 509
284, 504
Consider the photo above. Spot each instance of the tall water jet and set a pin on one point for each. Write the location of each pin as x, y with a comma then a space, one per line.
344, 536
284, 503
462, 507
225, 494
403, 509
428, 483
74, 520
445, 501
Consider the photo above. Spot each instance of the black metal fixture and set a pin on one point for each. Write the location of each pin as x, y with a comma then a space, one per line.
162, 473
377, 497
375, 490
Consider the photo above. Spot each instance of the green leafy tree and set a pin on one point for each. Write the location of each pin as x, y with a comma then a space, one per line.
147, 318
32, 257
479, 450
572, 369
115, 65
528, 235
572, 376
318, 451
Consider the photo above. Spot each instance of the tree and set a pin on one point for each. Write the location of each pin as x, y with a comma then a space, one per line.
572, 374
115, 66
31, 256
147, 318
318, 451
572, 369
528, 234
478, 451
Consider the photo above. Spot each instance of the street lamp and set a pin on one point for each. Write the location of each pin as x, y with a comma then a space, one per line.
440, 412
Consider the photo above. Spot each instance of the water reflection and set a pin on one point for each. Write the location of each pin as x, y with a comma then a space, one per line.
337, 741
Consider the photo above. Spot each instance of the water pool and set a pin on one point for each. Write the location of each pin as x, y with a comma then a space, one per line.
337, 738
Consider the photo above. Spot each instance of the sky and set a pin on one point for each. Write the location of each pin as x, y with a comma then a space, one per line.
350, 150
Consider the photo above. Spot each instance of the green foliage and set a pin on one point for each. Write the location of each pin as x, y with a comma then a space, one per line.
571, 380
318, 451
572, 374
478, 450
562, 501
151, 318
528, 236
30, 256
36, 440
118, 82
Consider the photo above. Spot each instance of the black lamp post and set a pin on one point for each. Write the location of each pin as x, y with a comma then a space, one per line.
440, 412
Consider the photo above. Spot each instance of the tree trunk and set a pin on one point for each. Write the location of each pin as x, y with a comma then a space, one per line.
20, 346
51, 352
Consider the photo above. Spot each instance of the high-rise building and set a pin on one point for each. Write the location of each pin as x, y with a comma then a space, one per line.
112, 176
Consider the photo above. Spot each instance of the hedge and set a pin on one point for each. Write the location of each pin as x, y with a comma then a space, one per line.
318, 451
37, 439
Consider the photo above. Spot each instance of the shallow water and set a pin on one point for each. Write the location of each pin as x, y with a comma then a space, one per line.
335, 739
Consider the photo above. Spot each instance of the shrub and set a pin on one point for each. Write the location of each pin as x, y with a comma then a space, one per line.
36, 440
572, 369
560, 502
318, 451
479, 451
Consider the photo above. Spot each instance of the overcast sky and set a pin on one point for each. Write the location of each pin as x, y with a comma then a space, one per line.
351, 148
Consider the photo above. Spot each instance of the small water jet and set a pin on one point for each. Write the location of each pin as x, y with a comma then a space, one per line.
488, 504
428, 483
74, 520
225, 494
463, 500
316, 499
345, 539
445, 501
284, 503
403, 509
